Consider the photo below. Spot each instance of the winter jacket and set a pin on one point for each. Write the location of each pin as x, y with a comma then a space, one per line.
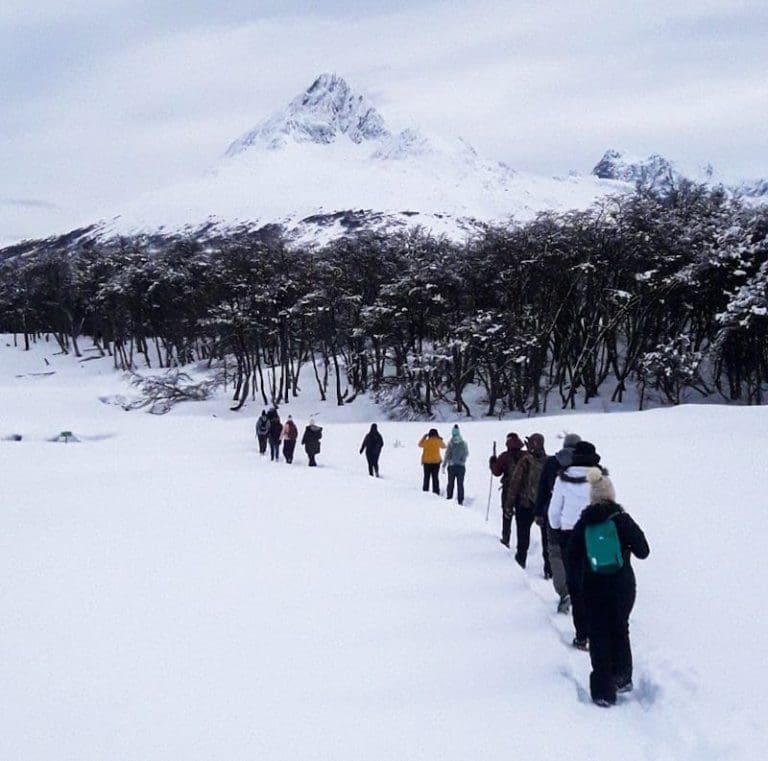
569, 497
290, 431
262, 425
456, 452
311, 438
431, 446
372, 444
275, 430
631, 538
504, 465
524, 482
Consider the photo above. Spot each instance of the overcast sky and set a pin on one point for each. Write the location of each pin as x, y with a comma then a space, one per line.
102, 99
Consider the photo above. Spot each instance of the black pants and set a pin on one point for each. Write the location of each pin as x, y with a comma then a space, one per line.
506, 519
523, 523
545, 547
373, 463
288, 447
456, 473
431, 471
262, 444
311, 455
573, 579
274, 449
609, 648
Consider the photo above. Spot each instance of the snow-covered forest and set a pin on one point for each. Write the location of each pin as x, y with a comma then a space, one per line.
648, 297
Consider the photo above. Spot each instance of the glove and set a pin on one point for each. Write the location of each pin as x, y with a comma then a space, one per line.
492, 459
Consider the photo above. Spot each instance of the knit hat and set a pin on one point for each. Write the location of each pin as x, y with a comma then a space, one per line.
535, 442
584, 453
600, 486
456, 433
513, 441
571, 440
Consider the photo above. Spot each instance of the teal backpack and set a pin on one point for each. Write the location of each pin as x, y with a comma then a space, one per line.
603, 546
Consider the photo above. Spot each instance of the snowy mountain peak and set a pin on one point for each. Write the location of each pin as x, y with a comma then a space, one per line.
327, 109
617, 165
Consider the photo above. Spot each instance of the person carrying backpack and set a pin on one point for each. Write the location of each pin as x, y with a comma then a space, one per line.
504, 466
570, 496
603, 540
311, 441
455, 461
522, 491
372, 446
431, 444
274, 433
289, 435
554, 567
262, 429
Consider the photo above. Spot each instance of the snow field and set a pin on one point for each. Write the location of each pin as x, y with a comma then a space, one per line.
167, 593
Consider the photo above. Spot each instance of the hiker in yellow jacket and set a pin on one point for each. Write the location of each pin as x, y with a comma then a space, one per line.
431, 444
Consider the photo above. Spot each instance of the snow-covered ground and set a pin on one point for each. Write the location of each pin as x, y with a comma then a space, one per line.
167, 594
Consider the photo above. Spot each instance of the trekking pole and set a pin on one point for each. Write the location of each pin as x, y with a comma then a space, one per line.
490, 490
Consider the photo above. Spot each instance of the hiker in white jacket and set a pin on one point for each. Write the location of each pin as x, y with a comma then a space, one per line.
571, 494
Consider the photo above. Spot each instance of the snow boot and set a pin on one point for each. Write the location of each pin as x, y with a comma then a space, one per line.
564, 606
581, 643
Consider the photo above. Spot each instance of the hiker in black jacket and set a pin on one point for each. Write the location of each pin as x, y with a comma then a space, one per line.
311, 441
274, 432
553, 566
372, 446
608, 597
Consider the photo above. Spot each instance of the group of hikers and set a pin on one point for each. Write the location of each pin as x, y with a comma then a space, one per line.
270, 431
587, 538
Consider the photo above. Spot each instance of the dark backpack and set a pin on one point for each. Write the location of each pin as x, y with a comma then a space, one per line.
603, 547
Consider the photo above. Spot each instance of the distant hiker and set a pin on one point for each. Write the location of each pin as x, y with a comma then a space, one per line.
289, 435
311, 441
569, 497
608, 584
456, 454
431, 444
262, 429
553, 565
274, 433
522, 490
503, 466
372, 446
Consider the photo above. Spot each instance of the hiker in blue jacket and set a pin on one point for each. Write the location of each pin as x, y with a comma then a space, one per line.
609, 590
455, 462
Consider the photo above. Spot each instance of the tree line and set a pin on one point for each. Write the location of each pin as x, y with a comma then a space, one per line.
660, 296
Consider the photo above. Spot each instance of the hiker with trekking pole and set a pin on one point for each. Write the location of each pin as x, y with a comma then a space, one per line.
503, 466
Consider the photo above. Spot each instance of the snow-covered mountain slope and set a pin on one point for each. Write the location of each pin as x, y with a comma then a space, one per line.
330, 154
328, 164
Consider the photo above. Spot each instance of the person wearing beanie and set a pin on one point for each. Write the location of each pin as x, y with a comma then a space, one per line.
455, 461
570, 496
372, 445
608, 597
553, 564
431, 457
311, 441
289, 436
522, 492
504, 466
